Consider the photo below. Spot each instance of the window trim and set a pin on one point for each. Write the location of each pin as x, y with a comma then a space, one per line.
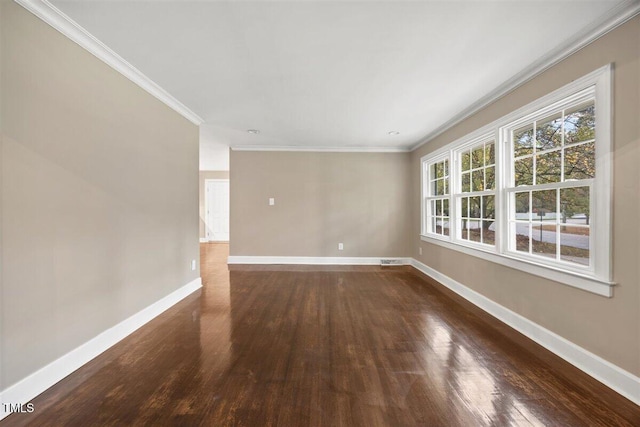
457, 186
425, 198
584, 95
598, 277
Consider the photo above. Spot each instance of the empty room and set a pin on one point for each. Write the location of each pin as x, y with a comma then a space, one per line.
319, 213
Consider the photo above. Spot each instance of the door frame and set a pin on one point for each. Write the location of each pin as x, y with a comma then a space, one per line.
206, 206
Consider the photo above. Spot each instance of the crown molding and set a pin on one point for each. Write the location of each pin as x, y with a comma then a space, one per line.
319, 149
617, 16
61, 22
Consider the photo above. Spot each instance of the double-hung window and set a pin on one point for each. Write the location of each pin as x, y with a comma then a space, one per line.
476, 199
436, 202
552, 167
531, 190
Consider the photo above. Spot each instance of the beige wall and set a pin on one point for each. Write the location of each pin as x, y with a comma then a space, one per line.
204, 175
359, 199
99, 196
609, 328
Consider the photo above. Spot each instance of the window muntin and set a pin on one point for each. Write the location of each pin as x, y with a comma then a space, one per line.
478, 167
553, 224
553, 166
437, 200
556, 148
477, 219
476, 198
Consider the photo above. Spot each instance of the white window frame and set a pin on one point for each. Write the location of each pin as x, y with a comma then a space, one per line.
597, 278
427, 196
583, 96
457, 186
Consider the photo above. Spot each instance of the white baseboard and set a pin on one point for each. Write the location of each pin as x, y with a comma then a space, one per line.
39, 381
236, 259
203, 240
606, 372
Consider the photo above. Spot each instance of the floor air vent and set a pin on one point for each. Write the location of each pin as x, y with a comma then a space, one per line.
390, 262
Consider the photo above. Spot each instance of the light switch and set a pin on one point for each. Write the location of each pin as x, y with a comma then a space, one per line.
272, 201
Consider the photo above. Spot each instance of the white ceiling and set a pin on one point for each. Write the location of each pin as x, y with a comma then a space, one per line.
331, 74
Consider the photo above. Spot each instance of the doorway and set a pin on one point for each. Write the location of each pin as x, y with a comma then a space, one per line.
217, 210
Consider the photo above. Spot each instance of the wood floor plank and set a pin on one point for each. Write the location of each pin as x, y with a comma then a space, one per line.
325, 346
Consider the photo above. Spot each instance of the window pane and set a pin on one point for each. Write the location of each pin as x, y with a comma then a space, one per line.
477, 157
438, 207
432, 208
522, 236
432, 171
580, 162
466, 182
544, 223
548, 167
474, 207
549, 132
574, 205
445, 226
477, 180
523, 141
465, 230
544, 205
438, 189
488, 207
544, 239
523, 171
580, 124
490, 177
574, 244
464, 207
488, 232
439, 170
466, 160
445, 207
446, 167
490, 154
474, 230
522, 206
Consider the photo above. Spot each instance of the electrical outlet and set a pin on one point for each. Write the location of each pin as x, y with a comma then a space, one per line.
193, 265
272, 201
420, 250
340, 246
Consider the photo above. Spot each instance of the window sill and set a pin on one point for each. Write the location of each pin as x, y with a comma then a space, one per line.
576, 280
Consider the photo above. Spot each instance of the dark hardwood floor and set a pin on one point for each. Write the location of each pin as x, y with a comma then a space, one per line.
326, 346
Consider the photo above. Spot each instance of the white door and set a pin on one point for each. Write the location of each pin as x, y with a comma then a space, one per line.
217, 206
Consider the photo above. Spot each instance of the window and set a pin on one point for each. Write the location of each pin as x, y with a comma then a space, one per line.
531, 190
437, 200
553, 167
476, 198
